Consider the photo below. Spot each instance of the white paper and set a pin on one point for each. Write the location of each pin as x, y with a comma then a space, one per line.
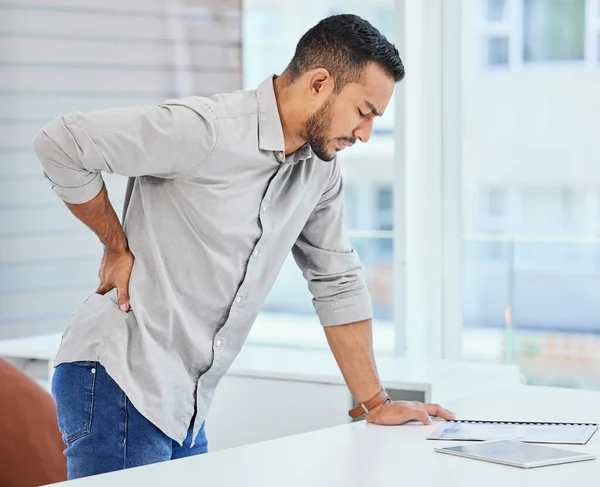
574, 434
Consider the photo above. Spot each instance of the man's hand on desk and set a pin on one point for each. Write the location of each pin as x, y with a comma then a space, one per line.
399, 412
352, 346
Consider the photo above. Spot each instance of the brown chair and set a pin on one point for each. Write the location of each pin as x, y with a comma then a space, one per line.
31, 446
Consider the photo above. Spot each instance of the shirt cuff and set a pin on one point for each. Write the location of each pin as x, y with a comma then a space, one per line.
79, 194
347, 309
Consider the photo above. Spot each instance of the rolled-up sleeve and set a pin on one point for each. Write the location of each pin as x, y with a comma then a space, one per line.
328, 262
166, 141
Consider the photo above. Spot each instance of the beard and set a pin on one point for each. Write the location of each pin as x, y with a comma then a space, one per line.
316, 129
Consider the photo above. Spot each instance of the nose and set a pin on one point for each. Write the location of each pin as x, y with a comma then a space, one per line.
363, 131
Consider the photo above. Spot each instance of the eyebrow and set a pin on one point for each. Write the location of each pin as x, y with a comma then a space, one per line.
373, 109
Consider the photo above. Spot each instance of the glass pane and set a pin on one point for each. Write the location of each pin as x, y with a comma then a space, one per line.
496, 51
288, 316
495, 10
531, 215
553, 30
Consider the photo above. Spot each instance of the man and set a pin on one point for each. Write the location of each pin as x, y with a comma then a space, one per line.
224, 188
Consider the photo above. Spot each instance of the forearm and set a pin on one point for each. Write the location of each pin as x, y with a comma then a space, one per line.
352, 346
99, 215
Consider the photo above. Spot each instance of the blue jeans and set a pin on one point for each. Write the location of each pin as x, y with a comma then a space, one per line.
103, 431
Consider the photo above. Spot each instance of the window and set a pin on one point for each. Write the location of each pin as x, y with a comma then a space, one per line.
575, 217
385, 208
530, 32
497, 51
540, 211
495, 250
385, 220
496, 31
530, 253
497, 202
492, 220
288, 317
496, 10
553, 30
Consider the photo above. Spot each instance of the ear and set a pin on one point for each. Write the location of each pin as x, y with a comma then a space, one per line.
321, 83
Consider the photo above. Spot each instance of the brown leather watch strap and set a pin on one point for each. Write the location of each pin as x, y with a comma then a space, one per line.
364, 407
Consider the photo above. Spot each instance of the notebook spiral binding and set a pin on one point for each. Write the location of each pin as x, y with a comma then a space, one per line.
536, 423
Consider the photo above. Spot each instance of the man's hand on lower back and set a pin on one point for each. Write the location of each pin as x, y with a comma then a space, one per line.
115, 272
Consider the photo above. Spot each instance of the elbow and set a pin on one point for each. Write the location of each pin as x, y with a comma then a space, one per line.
70, 179
45, 146
48, 154
53, 149
40, 143
45, 150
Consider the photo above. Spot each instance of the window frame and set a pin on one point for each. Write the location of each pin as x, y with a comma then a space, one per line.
502, 28
427, 181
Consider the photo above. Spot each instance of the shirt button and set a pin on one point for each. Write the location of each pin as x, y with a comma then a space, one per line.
264, 209
238, 300
218, 343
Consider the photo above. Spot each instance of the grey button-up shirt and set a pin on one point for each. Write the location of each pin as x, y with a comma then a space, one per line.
215, 209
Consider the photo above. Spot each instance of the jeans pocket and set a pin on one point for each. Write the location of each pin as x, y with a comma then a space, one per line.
73, 387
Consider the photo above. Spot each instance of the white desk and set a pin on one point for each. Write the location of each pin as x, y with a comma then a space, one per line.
283, 378
360, 455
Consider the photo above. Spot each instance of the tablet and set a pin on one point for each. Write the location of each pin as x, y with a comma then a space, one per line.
516, 453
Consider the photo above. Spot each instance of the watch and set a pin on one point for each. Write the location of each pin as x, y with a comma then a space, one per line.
364, 407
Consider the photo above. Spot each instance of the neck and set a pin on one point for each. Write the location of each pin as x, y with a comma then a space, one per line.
289, 114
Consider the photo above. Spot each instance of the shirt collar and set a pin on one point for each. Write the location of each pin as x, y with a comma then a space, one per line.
270, 132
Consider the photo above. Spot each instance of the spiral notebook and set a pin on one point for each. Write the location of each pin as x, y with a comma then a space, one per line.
529, 432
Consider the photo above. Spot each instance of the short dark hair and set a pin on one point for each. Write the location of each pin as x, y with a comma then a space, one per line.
344, 45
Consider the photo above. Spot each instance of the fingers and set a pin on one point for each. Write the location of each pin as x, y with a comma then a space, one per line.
400, 412
123, 295
422, 415
115, 271
437, 410
410, 413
